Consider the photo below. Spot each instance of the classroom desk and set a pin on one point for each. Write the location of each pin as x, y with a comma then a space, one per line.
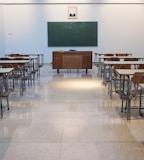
39, 56
112, 63
22, 64
98, 55
14, 61
33, 61
129, 73
37, 59
24, 57
4, 72
108, 74
103, 59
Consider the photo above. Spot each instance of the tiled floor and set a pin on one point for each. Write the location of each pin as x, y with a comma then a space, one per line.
69, 116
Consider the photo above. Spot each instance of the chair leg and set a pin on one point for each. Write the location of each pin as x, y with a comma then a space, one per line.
122, 106
8, 103
140, 106
1, 110
1, 105
126, 105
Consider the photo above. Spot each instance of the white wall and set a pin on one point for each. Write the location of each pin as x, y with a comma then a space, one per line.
2, 44
120, 27
70, 1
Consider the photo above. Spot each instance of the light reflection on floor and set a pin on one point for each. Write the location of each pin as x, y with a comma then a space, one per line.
76, 84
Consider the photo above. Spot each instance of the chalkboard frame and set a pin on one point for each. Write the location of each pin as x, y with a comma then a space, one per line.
67, 34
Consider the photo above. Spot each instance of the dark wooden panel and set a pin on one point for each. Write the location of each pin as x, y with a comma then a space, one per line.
72, 60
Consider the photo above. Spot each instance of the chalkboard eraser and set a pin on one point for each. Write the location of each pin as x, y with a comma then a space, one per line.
61, 51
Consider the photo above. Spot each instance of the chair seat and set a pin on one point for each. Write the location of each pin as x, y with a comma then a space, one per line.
122, 95
135, 92
5, 94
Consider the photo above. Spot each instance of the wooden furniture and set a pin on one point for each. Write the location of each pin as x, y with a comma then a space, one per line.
72, 60
37, 60
21, 70
134, 65
4, 87
130, 93
98, 55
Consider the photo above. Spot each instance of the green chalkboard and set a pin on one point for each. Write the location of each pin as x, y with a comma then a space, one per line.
72, 34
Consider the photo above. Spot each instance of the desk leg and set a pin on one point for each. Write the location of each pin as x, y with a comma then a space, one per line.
110, 79
57, 70
1, 110
104, 75
129, 101
140, 104
86, 71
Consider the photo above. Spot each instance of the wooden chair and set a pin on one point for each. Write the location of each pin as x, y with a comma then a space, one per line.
14, 76
130, 59
122, 54
20, 75
4, 58
134, 92
23, 55
112, 87
14, 54
109, 54
112, 59
141, 66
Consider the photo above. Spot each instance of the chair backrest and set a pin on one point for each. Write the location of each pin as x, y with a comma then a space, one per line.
130, 59
19, 58
108, 54
138, 77
141, 66
122, 66
121, 54
112, 59
4, 58
14, 54
141, 79
14, 65
23, 55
